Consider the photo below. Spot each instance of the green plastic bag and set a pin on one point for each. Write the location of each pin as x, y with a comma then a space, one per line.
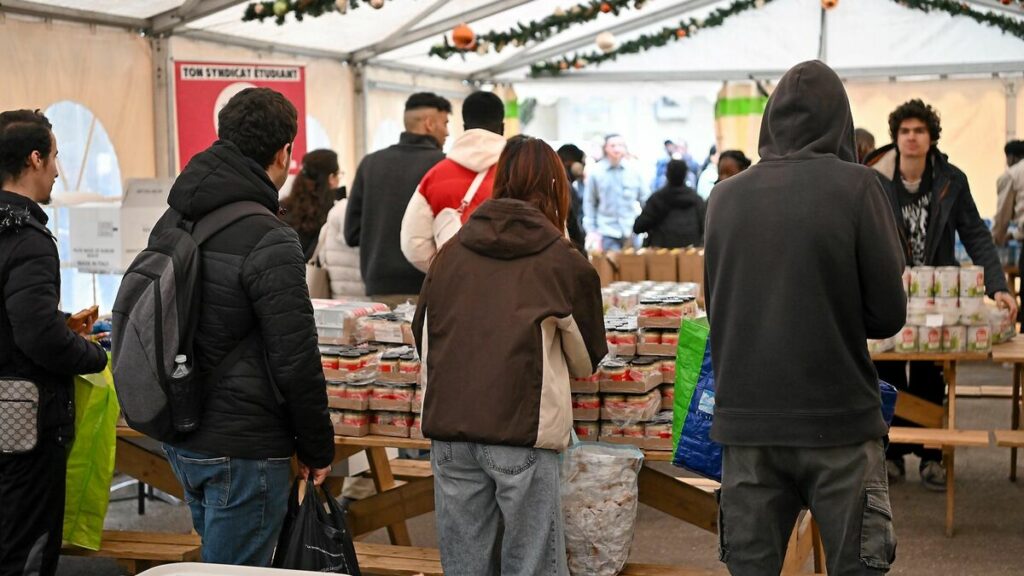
91, 461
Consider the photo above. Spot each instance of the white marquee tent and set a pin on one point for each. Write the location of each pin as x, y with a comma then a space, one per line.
113, 60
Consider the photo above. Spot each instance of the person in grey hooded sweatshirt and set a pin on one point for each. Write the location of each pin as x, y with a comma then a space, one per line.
798, 409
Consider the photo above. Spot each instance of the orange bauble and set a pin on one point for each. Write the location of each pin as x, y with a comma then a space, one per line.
606, 7
463, 37
829, 4
681, 33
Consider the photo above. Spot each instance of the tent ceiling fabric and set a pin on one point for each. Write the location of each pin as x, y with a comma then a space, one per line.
861, 34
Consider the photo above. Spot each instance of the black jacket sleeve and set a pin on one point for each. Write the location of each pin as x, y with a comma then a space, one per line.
354, 211
880, 264
976, 237
274, 275
652, 214
39, 328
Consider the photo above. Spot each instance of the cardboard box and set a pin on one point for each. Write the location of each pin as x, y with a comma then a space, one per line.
664, 350
338, 403
662, 265
106, 237
637, 441
586, 414
346, 430
657, 443
584, 386
605, 268
390, 405
691, 268
650, 382
632, 266
622, 350
385, 430
416, 433
664, 322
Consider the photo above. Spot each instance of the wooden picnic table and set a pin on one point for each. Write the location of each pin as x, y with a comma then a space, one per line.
405, 489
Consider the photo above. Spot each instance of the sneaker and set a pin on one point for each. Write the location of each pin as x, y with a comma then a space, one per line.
933, 476
895, 469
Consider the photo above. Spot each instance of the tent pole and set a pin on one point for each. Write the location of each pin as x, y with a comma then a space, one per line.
361, 111
823, 37
1011, 109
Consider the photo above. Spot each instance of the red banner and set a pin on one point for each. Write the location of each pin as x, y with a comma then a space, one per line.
201, 89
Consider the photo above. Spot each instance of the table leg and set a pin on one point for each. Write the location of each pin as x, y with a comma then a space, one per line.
383, 479
1015, 418
950, 372
950, 492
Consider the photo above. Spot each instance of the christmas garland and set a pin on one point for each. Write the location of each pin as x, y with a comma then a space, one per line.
684, 29
687, 28
1006, 24
279, 9
537, 30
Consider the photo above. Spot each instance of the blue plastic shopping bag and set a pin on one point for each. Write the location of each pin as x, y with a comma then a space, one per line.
694, 409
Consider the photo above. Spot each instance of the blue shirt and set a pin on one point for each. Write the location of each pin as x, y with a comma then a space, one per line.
612, 199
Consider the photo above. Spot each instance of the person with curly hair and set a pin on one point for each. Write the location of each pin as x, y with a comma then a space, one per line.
312, 197
932, 202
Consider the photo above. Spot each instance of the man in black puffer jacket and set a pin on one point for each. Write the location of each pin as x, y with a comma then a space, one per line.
36, 345
273, 402
674, 215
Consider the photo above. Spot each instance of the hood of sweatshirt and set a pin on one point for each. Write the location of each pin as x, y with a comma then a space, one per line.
808, 116
508, 229
477, 149
219, 175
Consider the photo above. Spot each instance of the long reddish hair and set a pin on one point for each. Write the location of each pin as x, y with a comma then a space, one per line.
529, 170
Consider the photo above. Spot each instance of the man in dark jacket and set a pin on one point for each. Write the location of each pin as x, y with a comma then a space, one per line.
674, 215
932, 202
802, 266
272, 402
385, 182
35, 345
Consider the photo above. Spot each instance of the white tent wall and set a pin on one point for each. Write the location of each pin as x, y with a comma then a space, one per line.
973, 114
387, 91
47, 62
330, 92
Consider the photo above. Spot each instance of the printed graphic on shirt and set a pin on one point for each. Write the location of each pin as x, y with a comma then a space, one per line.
915, 215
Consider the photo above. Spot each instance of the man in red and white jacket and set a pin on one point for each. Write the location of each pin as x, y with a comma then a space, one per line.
446, 184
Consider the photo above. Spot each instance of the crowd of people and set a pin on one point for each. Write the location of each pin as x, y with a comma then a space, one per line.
489, 242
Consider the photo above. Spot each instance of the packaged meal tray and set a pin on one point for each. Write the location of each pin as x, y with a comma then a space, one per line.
350, 422
626, 409
386, 327
395, 424
391, 397
347, 396
349, 363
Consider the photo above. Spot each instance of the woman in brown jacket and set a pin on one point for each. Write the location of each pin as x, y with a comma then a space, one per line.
509, 310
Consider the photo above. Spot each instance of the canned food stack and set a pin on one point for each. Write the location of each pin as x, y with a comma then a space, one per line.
336, 320
625, 297
385, 399
624, 402
946, 312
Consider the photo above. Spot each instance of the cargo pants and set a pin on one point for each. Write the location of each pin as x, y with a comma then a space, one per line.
764, 488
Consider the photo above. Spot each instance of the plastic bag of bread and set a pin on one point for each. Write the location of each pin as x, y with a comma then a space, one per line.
599, 505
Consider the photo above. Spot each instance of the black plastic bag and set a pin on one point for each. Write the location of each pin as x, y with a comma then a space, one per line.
315, 539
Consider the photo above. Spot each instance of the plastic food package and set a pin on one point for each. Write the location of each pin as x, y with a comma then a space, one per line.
350, 423
599, 506
349, 364
929, 338
954, 338
396, 424
973, 312
348, 396
391, 397
336, 319
972, 282
979, 338
627, 409
906, 340
387, 327
1003, 328
879, 346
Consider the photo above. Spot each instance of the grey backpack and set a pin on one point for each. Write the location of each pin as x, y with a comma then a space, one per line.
154, 320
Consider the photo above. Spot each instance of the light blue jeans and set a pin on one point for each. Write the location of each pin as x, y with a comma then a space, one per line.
499, 512
237, 505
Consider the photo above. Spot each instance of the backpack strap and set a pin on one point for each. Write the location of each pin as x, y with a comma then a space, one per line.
468, 198
224, 216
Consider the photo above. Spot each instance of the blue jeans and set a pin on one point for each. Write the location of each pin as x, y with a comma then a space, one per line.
237, 505
499, 511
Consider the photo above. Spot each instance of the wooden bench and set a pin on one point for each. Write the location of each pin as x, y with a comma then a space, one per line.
939, 437
387, 560
1009, 438
139, 551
